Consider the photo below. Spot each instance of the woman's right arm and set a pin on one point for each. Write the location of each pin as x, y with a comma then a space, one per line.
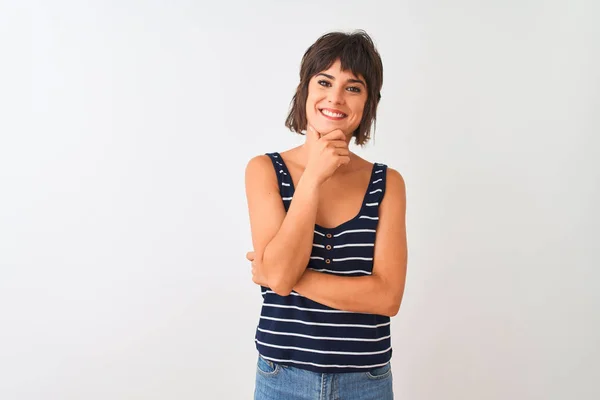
282, 242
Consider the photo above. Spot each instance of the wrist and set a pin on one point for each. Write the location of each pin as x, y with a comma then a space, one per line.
309, 181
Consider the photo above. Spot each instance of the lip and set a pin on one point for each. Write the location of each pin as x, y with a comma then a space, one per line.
332, 110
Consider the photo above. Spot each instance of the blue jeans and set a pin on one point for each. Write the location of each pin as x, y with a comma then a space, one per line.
282, 382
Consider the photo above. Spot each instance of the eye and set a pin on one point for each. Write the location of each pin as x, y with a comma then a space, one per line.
324, 83
354, 89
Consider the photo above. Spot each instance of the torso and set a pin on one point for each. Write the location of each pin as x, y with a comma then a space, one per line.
340, 197
297, 331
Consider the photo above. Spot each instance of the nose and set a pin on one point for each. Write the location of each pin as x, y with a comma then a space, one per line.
336, 96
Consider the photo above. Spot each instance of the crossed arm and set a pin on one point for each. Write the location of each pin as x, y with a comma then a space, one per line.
283, 242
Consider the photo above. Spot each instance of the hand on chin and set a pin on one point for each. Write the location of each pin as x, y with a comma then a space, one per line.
325, 129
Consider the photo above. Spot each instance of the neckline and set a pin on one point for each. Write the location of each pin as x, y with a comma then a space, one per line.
362, 206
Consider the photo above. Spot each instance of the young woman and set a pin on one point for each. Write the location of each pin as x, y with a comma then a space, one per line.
329, 237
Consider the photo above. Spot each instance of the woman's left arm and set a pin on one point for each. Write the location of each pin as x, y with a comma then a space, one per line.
381, 292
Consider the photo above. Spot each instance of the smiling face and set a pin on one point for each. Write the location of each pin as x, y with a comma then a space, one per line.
336, 100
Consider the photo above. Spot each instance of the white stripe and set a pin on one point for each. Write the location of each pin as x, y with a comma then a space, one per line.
286, 198
354, 231
324, 337
379, 171
367, 217
341, 272
285, 184
341, 246
279, 163
378, 180
305, 309
272, 292
318, 245
281, 172
274, 155
342, 353
325, 324
319, 233
371, 204
316, 258
375, 191
324, 365
353, 258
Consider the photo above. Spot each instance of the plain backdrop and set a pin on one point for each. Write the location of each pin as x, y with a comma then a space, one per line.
125, 128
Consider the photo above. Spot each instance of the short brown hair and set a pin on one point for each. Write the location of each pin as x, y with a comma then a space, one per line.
357, 53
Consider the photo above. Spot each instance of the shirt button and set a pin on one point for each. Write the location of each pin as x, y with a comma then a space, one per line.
328, 261
328, 236
328, 247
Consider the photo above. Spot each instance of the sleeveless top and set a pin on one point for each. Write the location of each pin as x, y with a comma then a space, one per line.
294, 330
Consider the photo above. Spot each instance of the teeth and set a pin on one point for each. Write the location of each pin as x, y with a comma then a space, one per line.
332, 114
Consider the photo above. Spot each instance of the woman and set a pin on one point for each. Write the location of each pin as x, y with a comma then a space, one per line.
329, 237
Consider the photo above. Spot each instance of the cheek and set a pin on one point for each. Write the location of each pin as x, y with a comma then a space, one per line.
359, 109
310, 104
311, 101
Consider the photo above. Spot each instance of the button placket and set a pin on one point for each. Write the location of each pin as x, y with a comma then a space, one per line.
328, 247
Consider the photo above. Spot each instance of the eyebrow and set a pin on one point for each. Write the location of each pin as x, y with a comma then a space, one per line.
349, 80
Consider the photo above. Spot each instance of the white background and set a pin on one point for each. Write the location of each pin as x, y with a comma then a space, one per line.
125, 128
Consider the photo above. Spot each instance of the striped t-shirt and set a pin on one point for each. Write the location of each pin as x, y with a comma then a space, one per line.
294, 330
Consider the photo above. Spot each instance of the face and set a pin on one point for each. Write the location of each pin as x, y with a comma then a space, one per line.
336, 100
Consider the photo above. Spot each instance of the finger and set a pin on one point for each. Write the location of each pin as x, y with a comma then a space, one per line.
343, 160
338, 144
250, 256
336, 134
312, 133
342, 152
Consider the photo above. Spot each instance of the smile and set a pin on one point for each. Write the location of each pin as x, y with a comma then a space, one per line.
332, 114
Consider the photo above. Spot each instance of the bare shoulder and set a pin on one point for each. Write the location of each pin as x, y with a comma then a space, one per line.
259, 170
259, 165
394, 178
395, 188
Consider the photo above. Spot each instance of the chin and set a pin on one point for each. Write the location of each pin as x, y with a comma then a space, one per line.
328, 126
